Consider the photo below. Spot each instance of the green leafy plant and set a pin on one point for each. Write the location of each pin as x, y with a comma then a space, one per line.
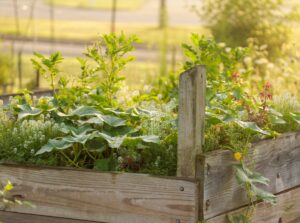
48, 67
20, 139
7, 200
95, 131
234, 119
266, 21
109, 56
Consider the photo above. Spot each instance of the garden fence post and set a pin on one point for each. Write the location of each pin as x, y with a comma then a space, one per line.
192, 85
113, 16
20, 74
37, 79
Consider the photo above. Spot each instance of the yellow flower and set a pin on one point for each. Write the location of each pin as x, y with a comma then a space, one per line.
238, 156
9, 186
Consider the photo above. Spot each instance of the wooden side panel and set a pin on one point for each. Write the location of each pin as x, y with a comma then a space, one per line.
192, 87
278, 160
104, 197
287, 210
12, 217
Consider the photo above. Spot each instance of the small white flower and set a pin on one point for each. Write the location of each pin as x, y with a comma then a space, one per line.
227, 49
222, 45
248, 60
261, 61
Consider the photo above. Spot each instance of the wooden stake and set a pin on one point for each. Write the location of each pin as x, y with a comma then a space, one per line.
191, 120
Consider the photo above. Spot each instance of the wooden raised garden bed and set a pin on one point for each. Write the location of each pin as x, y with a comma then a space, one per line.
205, 188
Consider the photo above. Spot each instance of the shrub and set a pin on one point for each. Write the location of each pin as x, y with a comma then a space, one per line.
95, 129
235, 21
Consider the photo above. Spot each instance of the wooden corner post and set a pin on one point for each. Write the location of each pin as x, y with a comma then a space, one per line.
192, 85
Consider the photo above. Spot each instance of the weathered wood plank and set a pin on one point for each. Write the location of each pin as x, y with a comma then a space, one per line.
278, 160
192, 87
287, 210
13, 217
105, 197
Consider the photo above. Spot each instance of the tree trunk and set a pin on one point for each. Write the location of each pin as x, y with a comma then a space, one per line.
113, 17
163, 14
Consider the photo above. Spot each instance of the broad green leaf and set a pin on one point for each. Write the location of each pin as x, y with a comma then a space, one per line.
252, 126
94, 120
213, 118
255, 176
150, 138
27, 111
54, 144
81, 138
113, 121
241, 175
121, 131
81, 130
295, 117
74, 130
276, 120
96, 144
113, 142
135, 141
245, 175
274, 112
237, 93
264, 195
85, 111
115, 111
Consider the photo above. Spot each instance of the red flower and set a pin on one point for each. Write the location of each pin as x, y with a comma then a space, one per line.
235, 76
268, 86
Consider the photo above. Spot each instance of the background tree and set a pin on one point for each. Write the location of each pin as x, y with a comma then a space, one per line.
163, 14
235, 21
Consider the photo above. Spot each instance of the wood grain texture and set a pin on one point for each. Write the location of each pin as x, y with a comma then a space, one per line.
277, 159
192, 87
105, 197
13, 217
287, 210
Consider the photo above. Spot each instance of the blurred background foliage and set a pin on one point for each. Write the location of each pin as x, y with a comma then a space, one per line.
269, 28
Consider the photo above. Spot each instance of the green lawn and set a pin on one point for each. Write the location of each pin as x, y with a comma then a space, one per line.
99, 4
137, 74
83, 30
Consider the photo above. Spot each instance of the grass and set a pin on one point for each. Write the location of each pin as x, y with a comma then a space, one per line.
137, 74
99, 4
87, 31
